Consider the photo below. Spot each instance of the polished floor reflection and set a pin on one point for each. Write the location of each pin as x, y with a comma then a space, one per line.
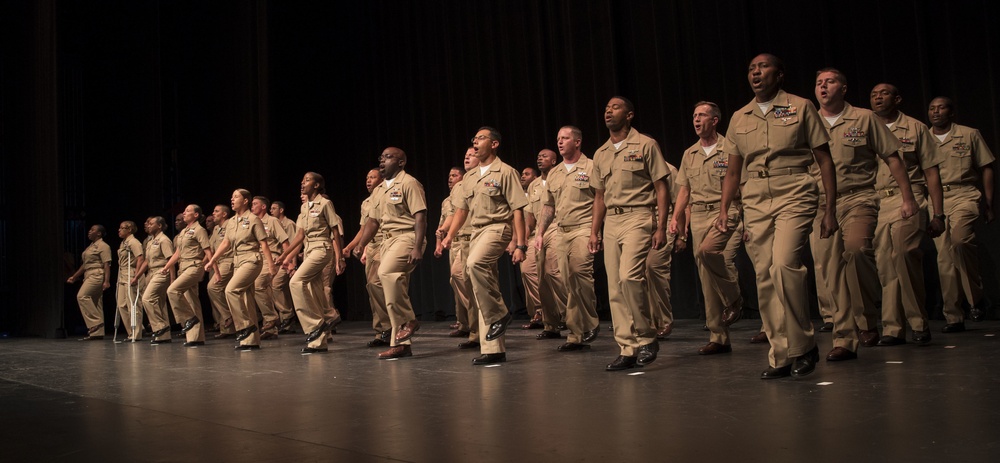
64, 400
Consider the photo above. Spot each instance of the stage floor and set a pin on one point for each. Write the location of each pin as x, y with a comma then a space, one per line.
63, 400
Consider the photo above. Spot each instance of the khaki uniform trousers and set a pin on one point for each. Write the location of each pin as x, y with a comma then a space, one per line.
900, 265
242, 300
128, 294
826, 254
541, 267
307, 291
376, 296
217, 296
91, 299
394, 273
958, 264
715, 255
154, 300
183, 295
856, 307
329, 276
627, 241
658, 262
778, 213
576, 265
488, 243
465, 312
282, 296
264, 297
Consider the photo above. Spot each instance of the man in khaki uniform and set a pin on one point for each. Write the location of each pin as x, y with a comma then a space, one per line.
492, 203
630, 188
159, 250
967, 181
193, 250
399, 213
263, 292
703, 169
658, 270
857, 140
897, 240
466, 313
222, 272
279, 284
370, 257
570, 204
130, 283
543, 284
774, 139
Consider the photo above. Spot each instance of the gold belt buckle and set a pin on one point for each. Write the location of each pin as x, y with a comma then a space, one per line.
763, 173
889, 192
619, 210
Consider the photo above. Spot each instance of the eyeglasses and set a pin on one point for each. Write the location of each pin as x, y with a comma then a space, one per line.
480, 137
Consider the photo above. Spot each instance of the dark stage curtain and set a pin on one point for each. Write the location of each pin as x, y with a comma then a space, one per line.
164, 103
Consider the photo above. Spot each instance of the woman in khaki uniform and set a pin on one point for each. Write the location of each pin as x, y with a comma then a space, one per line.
130, 283
96, 271
193, 249
317, 223
159, 249
246, 235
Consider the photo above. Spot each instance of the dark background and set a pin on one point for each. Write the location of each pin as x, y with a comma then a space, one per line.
117, 110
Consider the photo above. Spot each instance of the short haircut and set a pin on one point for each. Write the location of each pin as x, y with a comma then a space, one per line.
280, 204
494, 133
225, 209
533, 169
775, 61
948, 102
577, 133
628, 104
100, 229
160, 221
713, 110
263, 200
840, 75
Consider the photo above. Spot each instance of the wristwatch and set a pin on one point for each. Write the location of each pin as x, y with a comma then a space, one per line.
522, 247
941, 216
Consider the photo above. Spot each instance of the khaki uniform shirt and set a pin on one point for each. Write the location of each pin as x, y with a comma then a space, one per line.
538, 196
127, 264
570, 193
455, 197
917, 153
159, 248
447, 210
703, 173
316, 218
395, 206
783, 137
96, 255
857, 140
275, 234
218, 233
965, 153
289, 226
626, 174
245, 232
192, 243
492, 197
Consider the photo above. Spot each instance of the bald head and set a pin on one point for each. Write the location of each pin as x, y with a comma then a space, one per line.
391, 162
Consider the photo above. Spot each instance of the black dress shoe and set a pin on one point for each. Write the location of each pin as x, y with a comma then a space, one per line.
572, 347
548, 335
590, 336
159, 341
562, 326
377, 342
954, 328
190, 323
622, 363
977, 312
489, 359
194, 343
922, 338
159, 333
647, 353
826, 327
96, 328
286, 326
246, 332
313, 350
498, 328
468, 345
316, 333
713, 348
839, 354
247, 347
891, 341
806, 363
775, 373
